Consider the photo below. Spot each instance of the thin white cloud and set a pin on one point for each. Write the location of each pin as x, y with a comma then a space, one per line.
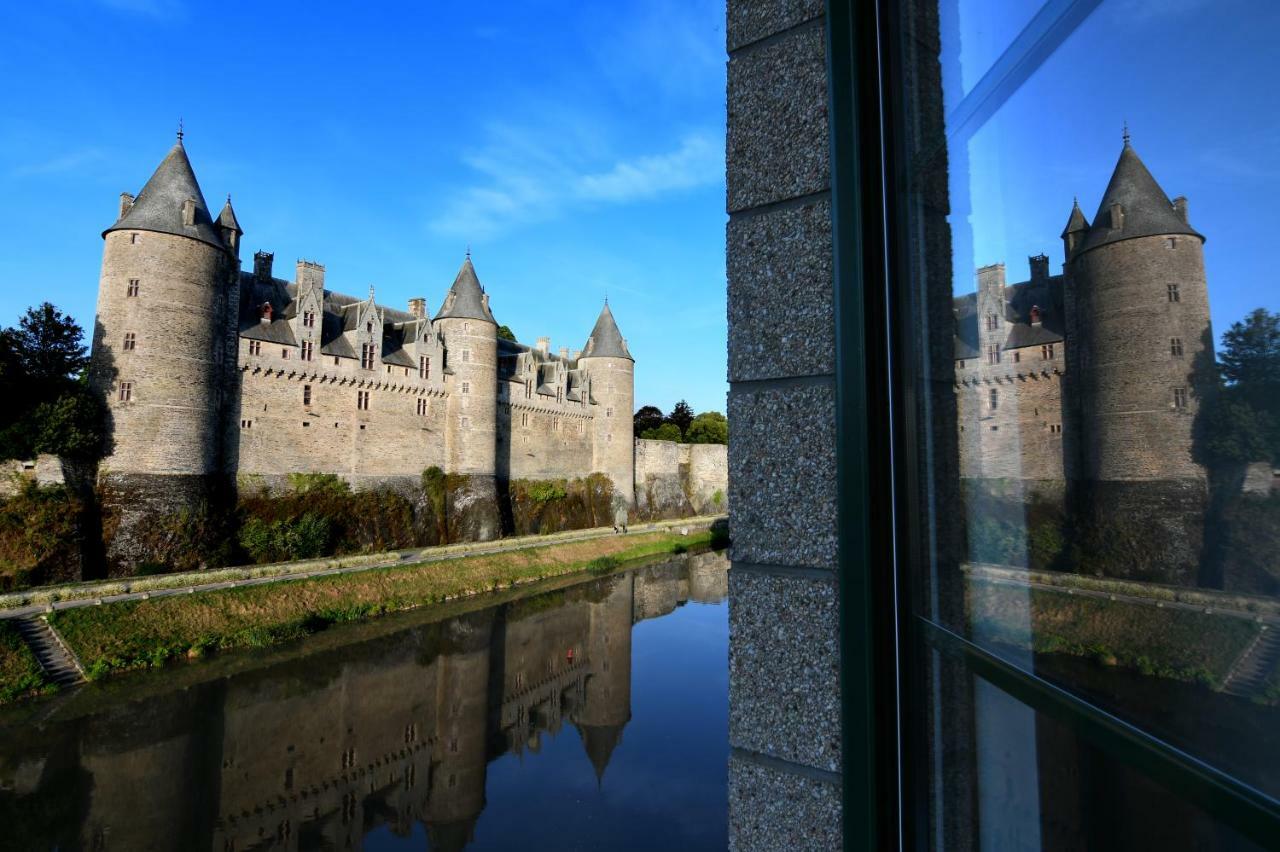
526, 181
69, 162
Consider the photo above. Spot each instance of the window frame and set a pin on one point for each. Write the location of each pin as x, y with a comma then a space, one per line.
882, 642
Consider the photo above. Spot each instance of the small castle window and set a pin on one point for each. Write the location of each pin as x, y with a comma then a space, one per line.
246, 424
1017, 357
368, 327
524, 419
962, 365
1174, 295
993, 353
466, 356
362, 400
994, 399
424, 367
993, 322
308, 319
1171, 242
1180, 398
284, 353
135, 284
308, 350
130, 342
555, 424
336, 360
126, 391
466, 387
255, 347
422, 407
306, 394
466, 423
306, 423
559, 394
1046, 352
133, 239
466, 326
367, 356
1175, 347
608, 412
388, 369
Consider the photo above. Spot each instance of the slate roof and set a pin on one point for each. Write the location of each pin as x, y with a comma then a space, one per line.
1020, 298
1076, 221
1147, 210
158, 206
606, 340
227, 218
465, 298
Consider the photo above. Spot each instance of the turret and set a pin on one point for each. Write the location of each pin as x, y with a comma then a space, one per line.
167, 299
606, 705
612, 381
1073, 233
470, 337
230, 229
1139, 322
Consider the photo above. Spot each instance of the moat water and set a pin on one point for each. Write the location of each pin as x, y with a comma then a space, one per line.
587, 714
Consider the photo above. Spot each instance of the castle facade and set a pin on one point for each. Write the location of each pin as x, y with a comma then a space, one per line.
209, 370
1089, 381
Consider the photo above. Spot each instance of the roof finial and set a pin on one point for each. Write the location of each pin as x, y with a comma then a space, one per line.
179, 128
228, 198
468, 251
370, 292
1126, 132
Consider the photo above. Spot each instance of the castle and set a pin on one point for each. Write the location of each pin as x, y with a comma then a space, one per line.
210, 371
1090, 380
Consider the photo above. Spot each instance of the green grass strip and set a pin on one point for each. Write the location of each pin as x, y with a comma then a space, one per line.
140, 634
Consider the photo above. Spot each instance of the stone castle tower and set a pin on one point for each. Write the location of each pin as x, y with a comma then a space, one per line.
612, 368
211, 374
163, 343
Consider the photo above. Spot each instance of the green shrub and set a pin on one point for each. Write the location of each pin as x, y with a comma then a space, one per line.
718, 498
545, 491
41, 536
605, 564
323, 483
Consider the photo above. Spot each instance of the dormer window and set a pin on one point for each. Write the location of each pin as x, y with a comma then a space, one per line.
993, 322
308, 350
368, 327
308, 319
367, 356
424, 367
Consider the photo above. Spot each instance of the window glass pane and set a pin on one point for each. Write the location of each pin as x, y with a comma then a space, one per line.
1094, 354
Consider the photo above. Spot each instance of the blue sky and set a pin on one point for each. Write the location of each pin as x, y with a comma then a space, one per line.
1196, 82
577, 148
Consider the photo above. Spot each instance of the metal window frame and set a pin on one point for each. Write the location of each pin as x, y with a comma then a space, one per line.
876, 455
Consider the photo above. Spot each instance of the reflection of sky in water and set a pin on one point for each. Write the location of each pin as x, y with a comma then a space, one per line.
666, 782
1194, 80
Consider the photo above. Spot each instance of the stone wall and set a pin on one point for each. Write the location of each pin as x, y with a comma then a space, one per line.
784, 718
674, 480
1018, 433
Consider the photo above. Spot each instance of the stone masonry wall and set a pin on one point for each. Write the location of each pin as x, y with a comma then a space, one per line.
1020, 437
674, 480
784, 717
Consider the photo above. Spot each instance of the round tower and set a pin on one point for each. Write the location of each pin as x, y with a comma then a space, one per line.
612, 371
1143, 342
1139, 360
471, 375
166, 297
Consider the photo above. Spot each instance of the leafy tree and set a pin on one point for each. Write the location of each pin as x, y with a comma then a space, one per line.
665, 432
648, 417
70, 426
1241, 422
48, 345
709, 427
681, 416
505, 333
1250, 357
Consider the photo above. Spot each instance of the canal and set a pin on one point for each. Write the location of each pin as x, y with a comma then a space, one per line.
589, 713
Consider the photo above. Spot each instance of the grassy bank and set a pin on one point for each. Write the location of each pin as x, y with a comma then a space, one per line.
1160, 641
20, 672
149, 633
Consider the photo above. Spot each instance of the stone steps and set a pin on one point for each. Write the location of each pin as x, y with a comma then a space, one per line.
58, 663
1249, 675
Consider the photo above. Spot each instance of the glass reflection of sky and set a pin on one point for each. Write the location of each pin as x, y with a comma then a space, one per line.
1194, 79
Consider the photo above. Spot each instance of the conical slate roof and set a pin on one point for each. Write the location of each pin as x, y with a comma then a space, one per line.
605, 340
465, 298
1076, 222
599, 742
1147, 210
159, 206
227, 218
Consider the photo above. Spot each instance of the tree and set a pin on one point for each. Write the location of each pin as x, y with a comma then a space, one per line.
1250, 357
709, 427
665, 432
505, 333
69, 426
681, 416
48, 345
648, 417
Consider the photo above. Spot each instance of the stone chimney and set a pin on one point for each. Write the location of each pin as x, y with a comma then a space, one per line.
1036, 316
1039, 267
310, 274
577, 353
262, 265
1179, 207
418, 307
126, 203
267, 312
544, 344
564, 353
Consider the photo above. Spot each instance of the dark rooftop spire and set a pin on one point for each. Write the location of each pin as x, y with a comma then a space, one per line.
179, 128
159, 206
465, 298
1144, 208
1076, 222
606, 340
599, 742
1125, 135
227, 218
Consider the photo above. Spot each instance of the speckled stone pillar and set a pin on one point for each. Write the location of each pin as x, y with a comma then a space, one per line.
784, 712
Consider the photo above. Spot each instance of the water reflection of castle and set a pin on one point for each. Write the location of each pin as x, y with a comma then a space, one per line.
319, 751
